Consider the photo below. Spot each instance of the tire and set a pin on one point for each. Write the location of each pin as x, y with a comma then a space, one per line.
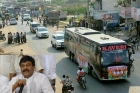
132, 68
56, 47
84, 85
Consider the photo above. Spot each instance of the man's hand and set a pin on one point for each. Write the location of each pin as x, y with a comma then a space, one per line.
18, 84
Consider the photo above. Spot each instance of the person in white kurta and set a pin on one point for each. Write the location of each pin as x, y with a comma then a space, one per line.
49, 65
15, 68
3, 83
37, 83
5, 65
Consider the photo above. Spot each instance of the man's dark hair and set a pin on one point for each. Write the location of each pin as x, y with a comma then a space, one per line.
27, 58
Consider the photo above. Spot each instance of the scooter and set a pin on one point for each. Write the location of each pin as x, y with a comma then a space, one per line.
82, 81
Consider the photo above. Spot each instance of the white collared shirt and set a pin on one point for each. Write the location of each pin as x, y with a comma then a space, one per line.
37, 83
3, 83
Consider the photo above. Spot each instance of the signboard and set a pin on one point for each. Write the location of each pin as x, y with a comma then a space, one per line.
125, 12
113, 47
117, 72
135, 13
110, 19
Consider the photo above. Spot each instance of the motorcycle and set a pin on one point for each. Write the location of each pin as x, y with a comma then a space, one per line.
68, 89
82, 81
2, 36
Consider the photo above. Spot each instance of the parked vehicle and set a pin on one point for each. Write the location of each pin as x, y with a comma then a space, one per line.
42, 32
33, 26
13, 21
57, 40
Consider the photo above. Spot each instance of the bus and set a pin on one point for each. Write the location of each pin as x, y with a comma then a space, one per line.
103, 56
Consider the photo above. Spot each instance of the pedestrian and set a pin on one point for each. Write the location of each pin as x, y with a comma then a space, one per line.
21, 37
27, 23
3, 23
14, 38
39, 19
18, 37
22, 21
24, 37
104, 29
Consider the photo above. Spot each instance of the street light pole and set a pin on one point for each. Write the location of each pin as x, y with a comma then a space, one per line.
88, 12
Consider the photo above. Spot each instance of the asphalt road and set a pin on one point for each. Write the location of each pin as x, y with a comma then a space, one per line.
65, 66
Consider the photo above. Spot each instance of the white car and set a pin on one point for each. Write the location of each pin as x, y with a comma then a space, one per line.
42, 32
26, 17
57, 40
13, 21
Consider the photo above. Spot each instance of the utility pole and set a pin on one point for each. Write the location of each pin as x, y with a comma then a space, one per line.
88, 12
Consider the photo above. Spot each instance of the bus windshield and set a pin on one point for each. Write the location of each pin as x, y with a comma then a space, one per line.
115, 56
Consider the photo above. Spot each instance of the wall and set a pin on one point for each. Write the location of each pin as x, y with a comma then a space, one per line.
109, 4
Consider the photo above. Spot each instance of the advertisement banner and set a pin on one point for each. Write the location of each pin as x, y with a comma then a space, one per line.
135, 13
110, 19
83, 62
117, 72
125, 12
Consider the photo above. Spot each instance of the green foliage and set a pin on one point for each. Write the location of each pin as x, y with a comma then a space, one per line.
75, 10
58, 2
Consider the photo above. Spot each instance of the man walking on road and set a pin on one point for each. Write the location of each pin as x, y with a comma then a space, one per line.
22, 21
27, 23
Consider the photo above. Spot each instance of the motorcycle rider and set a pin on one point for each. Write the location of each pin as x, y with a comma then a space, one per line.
131, 57
80, 73
67, 82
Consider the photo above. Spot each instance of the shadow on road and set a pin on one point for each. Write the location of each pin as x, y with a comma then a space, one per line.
53, 50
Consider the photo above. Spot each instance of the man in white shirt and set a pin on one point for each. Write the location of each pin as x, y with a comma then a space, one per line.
32, 81
15, 68
49, 65
3, 83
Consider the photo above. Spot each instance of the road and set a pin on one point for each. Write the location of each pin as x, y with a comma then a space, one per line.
67, 67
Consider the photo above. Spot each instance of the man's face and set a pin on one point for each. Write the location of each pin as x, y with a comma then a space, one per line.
27, 69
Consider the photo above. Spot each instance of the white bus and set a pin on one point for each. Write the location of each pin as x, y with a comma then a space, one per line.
100, 55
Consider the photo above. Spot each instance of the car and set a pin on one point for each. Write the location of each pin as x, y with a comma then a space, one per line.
33, 26
26, 17
57, 40
13, 21
41, 31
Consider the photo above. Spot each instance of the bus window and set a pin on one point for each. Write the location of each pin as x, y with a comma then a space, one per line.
112, 57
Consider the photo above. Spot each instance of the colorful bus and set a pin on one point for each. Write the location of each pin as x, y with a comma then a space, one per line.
102, 56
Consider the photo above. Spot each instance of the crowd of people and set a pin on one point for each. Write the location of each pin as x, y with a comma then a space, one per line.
17, 38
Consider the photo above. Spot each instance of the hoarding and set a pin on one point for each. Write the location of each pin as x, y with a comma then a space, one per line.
125, 12
135, 13
110, 19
